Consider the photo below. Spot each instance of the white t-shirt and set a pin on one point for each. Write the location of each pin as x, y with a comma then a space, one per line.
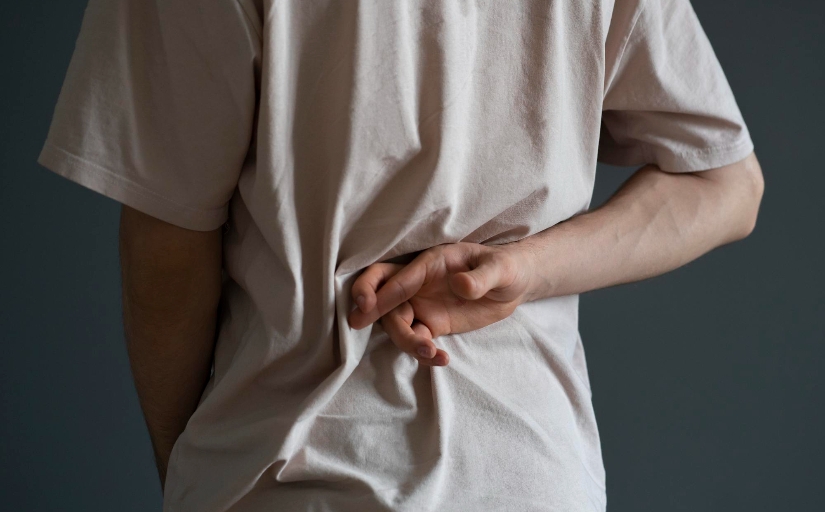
330, 135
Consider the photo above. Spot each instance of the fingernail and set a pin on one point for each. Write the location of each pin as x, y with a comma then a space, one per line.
425, 351
361, 300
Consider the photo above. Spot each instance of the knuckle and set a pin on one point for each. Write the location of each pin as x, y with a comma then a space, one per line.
400, 290
358, 287
386, 269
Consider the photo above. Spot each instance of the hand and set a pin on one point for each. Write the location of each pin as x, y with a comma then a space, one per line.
450, 288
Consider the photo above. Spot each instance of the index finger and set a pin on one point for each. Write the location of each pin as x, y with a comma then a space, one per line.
395, 291
371, 279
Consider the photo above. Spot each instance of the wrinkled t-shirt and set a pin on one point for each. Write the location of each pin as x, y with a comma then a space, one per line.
324, 136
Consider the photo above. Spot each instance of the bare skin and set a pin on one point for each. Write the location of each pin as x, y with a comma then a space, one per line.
171, 288
655, 223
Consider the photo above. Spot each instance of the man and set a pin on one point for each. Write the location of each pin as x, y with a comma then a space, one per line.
313, 191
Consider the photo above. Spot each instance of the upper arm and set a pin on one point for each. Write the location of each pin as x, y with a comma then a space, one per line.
163, 244
745, 173
166, 268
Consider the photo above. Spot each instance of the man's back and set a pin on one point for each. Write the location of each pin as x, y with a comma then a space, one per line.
332, 135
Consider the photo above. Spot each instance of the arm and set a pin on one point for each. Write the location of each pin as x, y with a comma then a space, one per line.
656, 222
171, 288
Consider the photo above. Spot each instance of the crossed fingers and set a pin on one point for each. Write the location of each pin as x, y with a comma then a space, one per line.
382, 292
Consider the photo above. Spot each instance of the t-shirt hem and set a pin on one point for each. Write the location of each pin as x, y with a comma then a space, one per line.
699, 159
114, 186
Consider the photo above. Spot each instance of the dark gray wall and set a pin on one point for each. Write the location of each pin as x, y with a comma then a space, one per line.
707, 381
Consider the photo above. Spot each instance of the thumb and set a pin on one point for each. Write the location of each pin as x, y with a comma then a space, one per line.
475, 283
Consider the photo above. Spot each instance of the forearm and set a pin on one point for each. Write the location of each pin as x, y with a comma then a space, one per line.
654, 223
171, 289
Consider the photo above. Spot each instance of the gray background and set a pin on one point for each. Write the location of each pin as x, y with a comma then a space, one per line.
708, 381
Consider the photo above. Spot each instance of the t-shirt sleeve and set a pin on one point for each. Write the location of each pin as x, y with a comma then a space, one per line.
157, 107
667, 101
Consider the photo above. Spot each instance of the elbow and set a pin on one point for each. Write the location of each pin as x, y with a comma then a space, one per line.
754, 189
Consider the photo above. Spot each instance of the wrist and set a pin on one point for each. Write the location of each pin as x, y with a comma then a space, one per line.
529, 258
